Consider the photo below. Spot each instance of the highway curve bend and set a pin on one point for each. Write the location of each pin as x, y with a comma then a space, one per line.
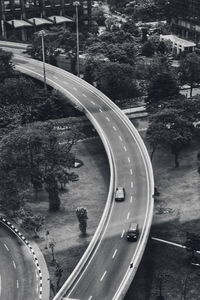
110, 262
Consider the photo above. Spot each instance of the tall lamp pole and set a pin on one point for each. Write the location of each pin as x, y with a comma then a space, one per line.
77, 4
42, 33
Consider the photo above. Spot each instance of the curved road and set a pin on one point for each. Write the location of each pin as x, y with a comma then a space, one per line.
18, 280
114, 257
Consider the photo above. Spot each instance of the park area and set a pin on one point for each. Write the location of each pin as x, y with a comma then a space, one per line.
177, 211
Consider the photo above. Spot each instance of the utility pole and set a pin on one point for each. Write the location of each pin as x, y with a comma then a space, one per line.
3, 20
77, 4
42, 33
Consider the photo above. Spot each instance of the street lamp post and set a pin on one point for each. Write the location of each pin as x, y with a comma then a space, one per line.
42, 34
76, 4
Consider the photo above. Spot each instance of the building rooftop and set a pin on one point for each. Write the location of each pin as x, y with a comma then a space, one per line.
177, 40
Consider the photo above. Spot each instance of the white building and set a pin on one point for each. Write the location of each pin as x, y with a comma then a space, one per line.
178, 44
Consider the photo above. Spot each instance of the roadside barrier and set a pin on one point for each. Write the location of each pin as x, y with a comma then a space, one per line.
24, 240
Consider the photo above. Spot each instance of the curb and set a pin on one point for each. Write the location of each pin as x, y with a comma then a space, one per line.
24, 240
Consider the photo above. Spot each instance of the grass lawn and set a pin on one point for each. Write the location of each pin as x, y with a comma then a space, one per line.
177, 210
90, 192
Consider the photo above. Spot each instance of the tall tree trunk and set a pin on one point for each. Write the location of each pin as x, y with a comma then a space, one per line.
176, 160
191, 89
52, 189
152, 153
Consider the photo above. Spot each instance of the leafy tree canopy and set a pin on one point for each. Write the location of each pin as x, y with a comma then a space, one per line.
116, 80
6, 66
33, 153
190, 70
169, 129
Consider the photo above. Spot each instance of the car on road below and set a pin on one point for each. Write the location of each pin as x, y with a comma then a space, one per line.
119, 194
132, 232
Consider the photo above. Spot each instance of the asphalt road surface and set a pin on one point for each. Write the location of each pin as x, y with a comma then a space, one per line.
114, 254
18, 280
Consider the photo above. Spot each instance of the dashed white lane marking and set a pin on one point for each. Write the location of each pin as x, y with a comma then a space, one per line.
6, 247
100, 110
90, 298
107, 119
125, 148
114, 128
74, 88
93, 102
55, 77
120, 137
129, 159
122, 233
131, 171
14, 264
84, 95
131, 184
131, 199
128, 215
114, 253
17, 284
104, 274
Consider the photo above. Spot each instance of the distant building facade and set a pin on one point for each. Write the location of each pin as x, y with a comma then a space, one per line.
22, 17
185, 19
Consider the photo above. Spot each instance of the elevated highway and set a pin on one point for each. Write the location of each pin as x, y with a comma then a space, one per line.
110, 263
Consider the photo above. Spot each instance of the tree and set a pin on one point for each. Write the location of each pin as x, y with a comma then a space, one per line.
6, 65
163, 86
51, 40
35, 151
58, 273
162, 278
190, 70
52, 245
169, 129
148, 49
192, 243
67, 40
116, 81
32, 222
130, 26
81, 214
